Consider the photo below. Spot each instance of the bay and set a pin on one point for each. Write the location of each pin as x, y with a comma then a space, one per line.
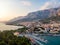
51, 40
4, 27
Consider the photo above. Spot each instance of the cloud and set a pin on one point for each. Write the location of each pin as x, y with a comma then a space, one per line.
51, 4
26, 3
55, 3
45, 6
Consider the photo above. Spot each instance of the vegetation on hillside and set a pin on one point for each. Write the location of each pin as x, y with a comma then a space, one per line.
53, 18
8, 38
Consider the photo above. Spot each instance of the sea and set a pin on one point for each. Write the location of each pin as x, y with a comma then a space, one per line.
4, 27
51, 40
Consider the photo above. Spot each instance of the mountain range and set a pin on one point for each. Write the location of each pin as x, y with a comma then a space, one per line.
36, 16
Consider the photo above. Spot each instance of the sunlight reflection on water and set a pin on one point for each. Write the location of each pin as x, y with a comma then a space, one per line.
8, 27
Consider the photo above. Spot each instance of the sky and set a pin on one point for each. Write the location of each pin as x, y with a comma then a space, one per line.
10, 9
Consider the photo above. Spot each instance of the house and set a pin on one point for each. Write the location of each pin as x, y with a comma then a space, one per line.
16, 33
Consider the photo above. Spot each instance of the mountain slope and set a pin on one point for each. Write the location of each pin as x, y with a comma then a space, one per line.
50, 19
16, 18
38, 15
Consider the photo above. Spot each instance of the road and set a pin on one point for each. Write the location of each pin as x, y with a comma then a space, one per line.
38, 40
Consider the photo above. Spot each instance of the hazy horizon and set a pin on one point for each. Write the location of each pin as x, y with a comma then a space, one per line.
10, 9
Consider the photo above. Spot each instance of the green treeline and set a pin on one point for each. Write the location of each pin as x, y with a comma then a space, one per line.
8, 38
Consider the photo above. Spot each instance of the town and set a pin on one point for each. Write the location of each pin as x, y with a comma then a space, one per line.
38, 27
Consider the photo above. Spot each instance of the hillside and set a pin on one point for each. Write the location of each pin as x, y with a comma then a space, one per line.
38, 15
48, 20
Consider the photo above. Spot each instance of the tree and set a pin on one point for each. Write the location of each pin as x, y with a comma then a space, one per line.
8, 38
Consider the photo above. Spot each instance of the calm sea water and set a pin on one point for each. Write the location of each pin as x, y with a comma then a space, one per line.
8, 27
52, 40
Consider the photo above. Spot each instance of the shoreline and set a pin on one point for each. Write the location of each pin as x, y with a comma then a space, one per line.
49, 34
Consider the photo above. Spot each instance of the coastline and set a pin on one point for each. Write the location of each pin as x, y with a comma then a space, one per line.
49, 34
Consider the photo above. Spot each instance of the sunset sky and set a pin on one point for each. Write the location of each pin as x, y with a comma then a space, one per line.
14, 8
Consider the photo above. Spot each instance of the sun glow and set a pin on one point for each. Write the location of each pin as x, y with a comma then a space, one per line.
3, 11
9, 10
